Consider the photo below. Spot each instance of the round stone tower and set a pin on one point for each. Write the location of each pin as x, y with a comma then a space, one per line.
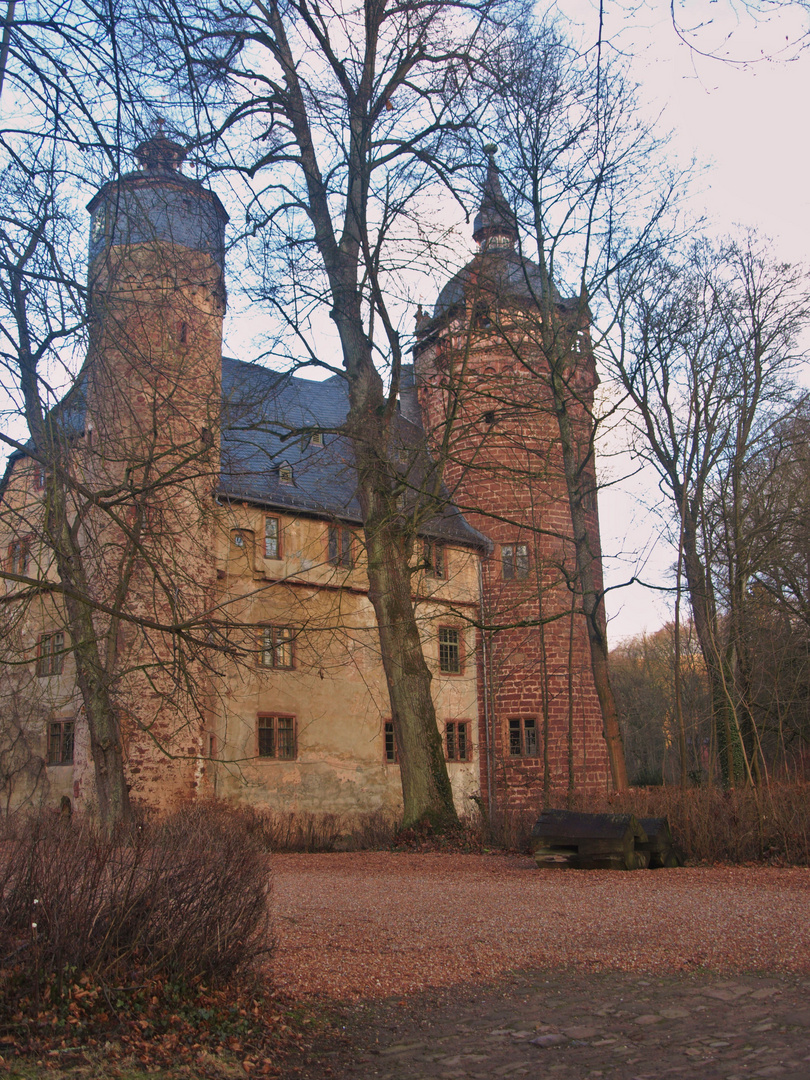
483, 382
153, 402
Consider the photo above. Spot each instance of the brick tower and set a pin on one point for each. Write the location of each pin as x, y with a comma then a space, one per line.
152, 412
483, 387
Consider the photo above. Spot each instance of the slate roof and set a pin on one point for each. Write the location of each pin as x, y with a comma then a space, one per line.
495, 275
266, 417
268, 422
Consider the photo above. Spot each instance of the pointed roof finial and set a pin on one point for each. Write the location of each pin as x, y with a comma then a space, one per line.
495, 220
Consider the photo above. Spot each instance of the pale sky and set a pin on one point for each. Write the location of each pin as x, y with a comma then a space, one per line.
747, 123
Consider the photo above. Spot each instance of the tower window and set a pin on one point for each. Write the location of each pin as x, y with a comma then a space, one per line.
435, 559
515, 561
18, 552
482, 319
489, 417
523, 738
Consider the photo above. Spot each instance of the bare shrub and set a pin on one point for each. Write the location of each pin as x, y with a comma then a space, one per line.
310, 832
182, 898
770, 823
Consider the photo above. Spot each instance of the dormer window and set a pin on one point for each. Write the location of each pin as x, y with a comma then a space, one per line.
317, 439
285, 473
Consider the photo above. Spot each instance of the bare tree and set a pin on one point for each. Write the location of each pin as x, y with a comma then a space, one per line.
705, 357
340, 124
590, 195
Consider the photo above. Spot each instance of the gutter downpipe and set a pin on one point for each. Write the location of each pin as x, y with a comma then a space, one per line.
489, 739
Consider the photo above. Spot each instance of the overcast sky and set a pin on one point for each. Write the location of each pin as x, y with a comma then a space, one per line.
741, 110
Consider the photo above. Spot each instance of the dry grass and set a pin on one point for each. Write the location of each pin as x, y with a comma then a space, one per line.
769, 824
746, 825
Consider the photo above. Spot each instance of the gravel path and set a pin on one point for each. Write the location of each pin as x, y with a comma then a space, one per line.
371, 925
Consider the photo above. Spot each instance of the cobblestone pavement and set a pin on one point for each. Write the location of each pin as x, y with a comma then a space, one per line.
560, 1026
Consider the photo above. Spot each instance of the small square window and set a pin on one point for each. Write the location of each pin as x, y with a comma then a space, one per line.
523, 738
277, 646
390, 743
276, 737
435, 559
340, 547
272, 538
317, 439
242, 539
450, 650
60, 742
457, 740
51, 654
515, 561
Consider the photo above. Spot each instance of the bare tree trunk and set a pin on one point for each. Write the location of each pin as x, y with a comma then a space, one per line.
426, 791
576, 475
677, 673
63, 539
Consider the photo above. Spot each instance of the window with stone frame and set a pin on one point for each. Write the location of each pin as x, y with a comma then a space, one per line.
390, 743
515, 561
272, 538
275, 737
523, 737
60, 742
51, 653
19, 551
340, 547
435, 558
450, 656
277, 646
457, 745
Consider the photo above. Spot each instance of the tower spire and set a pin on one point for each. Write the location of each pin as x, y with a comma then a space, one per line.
494, 223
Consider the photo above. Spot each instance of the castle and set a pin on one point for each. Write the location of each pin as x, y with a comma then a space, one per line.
214, 505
